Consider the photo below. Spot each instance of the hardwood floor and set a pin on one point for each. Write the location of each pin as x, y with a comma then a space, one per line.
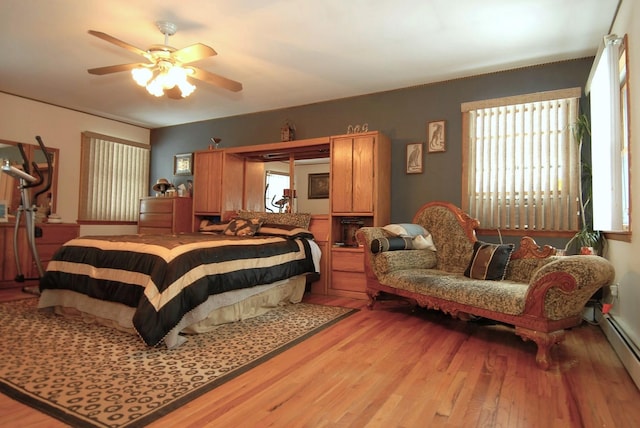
392, 367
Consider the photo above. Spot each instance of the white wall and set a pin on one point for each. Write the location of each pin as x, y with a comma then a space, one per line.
623, 255
22, 119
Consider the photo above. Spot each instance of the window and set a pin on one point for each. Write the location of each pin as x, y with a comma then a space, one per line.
608, 88
114, 175
276, 183
521, 166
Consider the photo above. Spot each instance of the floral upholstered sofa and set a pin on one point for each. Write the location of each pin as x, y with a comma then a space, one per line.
531, 288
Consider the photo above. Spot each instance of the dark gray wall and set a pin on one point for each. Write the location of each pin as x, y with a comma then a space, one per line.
401, 114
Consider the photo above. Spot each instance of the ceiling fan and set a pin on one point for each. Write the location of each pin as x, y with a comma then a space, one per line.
166, 71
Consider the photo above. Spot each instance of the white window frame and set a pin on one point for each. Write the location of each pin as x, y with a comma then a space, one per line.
608, 89
114, 175
507, 180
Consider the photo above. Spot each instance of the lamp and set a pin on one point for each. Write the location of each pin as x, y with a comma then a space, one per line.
164, 75
287, 193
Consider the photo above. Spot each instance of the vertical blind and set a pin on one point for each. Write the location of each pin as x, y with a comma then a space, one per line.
522, 164
114, 176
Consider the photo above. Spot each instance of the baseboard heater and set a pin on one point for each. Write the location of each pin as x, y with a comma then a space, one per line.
626, 350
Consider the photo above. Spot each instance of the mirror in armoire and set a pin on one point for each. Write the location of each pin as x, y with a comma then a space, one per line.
9, 186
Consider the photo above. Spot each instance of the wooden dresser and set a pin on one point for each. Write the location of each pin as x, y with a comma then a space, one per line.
165, 215
52, 237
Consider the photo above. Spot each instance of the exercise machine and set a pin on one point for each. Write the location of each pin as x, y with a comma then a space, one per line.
28, 204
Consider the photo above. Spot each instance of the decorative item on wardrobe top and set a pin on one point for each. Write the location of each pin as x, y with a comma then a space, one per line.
288, 131
355, 129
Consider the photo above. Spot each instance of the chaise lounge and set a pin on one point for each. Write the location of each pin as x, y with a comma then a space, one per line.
531, 288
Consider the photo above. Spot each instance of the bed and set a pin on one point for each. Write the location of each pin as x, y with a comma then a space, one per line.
162, 287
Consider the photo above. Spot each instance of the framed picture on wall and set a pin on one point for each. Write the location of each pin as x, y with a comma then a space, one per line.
436, 136
318, 186
414, 158
183, 164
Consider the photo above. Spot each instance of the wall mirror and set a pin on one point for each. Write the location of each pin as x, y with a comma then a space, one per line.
286, 167
9, 190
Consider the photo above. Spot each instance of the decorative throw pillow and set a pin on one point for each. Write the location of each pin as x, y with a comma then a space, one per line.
424, 242
242, 227
208, 226
379, 245
405, 229
489, 261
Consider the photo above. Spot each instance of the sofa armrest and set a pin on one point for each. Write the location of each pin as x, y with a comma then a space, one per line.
561, 289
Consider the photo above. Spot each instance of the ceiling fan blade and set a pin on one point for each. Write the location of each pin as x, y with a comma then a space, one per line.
193, 53
113, 69
216, 80
117, 42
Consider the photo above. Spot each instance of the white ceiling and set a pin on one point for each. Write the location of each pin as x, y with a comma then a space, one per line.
284, 52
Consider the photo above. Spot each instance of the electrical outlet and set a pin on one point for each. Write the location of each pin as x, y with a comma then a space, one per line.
613, 290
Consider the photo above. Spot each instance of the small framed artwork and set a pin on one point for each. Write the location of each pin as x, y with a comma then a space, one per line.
318, 186
436, 132
4, 212
183, 164
414, 158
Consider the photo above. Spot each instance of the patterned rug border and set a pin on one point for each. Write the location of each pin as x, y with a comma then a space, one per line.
15, 393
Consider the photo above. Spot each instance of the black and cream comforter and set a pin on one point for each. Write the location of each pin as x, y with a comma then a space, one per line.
165, 276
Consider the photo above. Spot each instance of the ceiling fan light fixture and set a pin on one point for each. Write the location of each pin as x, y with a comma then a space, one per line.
142, 75
162, 77
186, 88
155, 86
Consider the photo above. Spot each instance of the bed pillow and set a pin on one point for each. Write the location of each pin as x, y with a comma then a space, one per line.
242, 227
284, 231
489, 261
405, 229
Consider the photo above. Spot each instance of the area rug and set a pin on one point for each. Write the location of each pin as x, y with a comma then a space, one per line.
88, 375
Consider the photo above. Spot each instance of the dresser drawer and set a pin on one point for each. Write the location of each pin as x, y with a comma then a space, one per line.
347, 260
57, 233
348, 281
156, 205
156, 220
165, 215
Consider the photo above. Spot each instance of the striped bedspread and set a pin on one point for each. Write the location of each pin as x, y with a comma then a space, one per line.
166, 276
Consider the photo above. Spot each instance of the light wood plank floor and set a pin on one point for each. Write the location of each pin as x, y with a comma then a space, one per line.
393, 367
